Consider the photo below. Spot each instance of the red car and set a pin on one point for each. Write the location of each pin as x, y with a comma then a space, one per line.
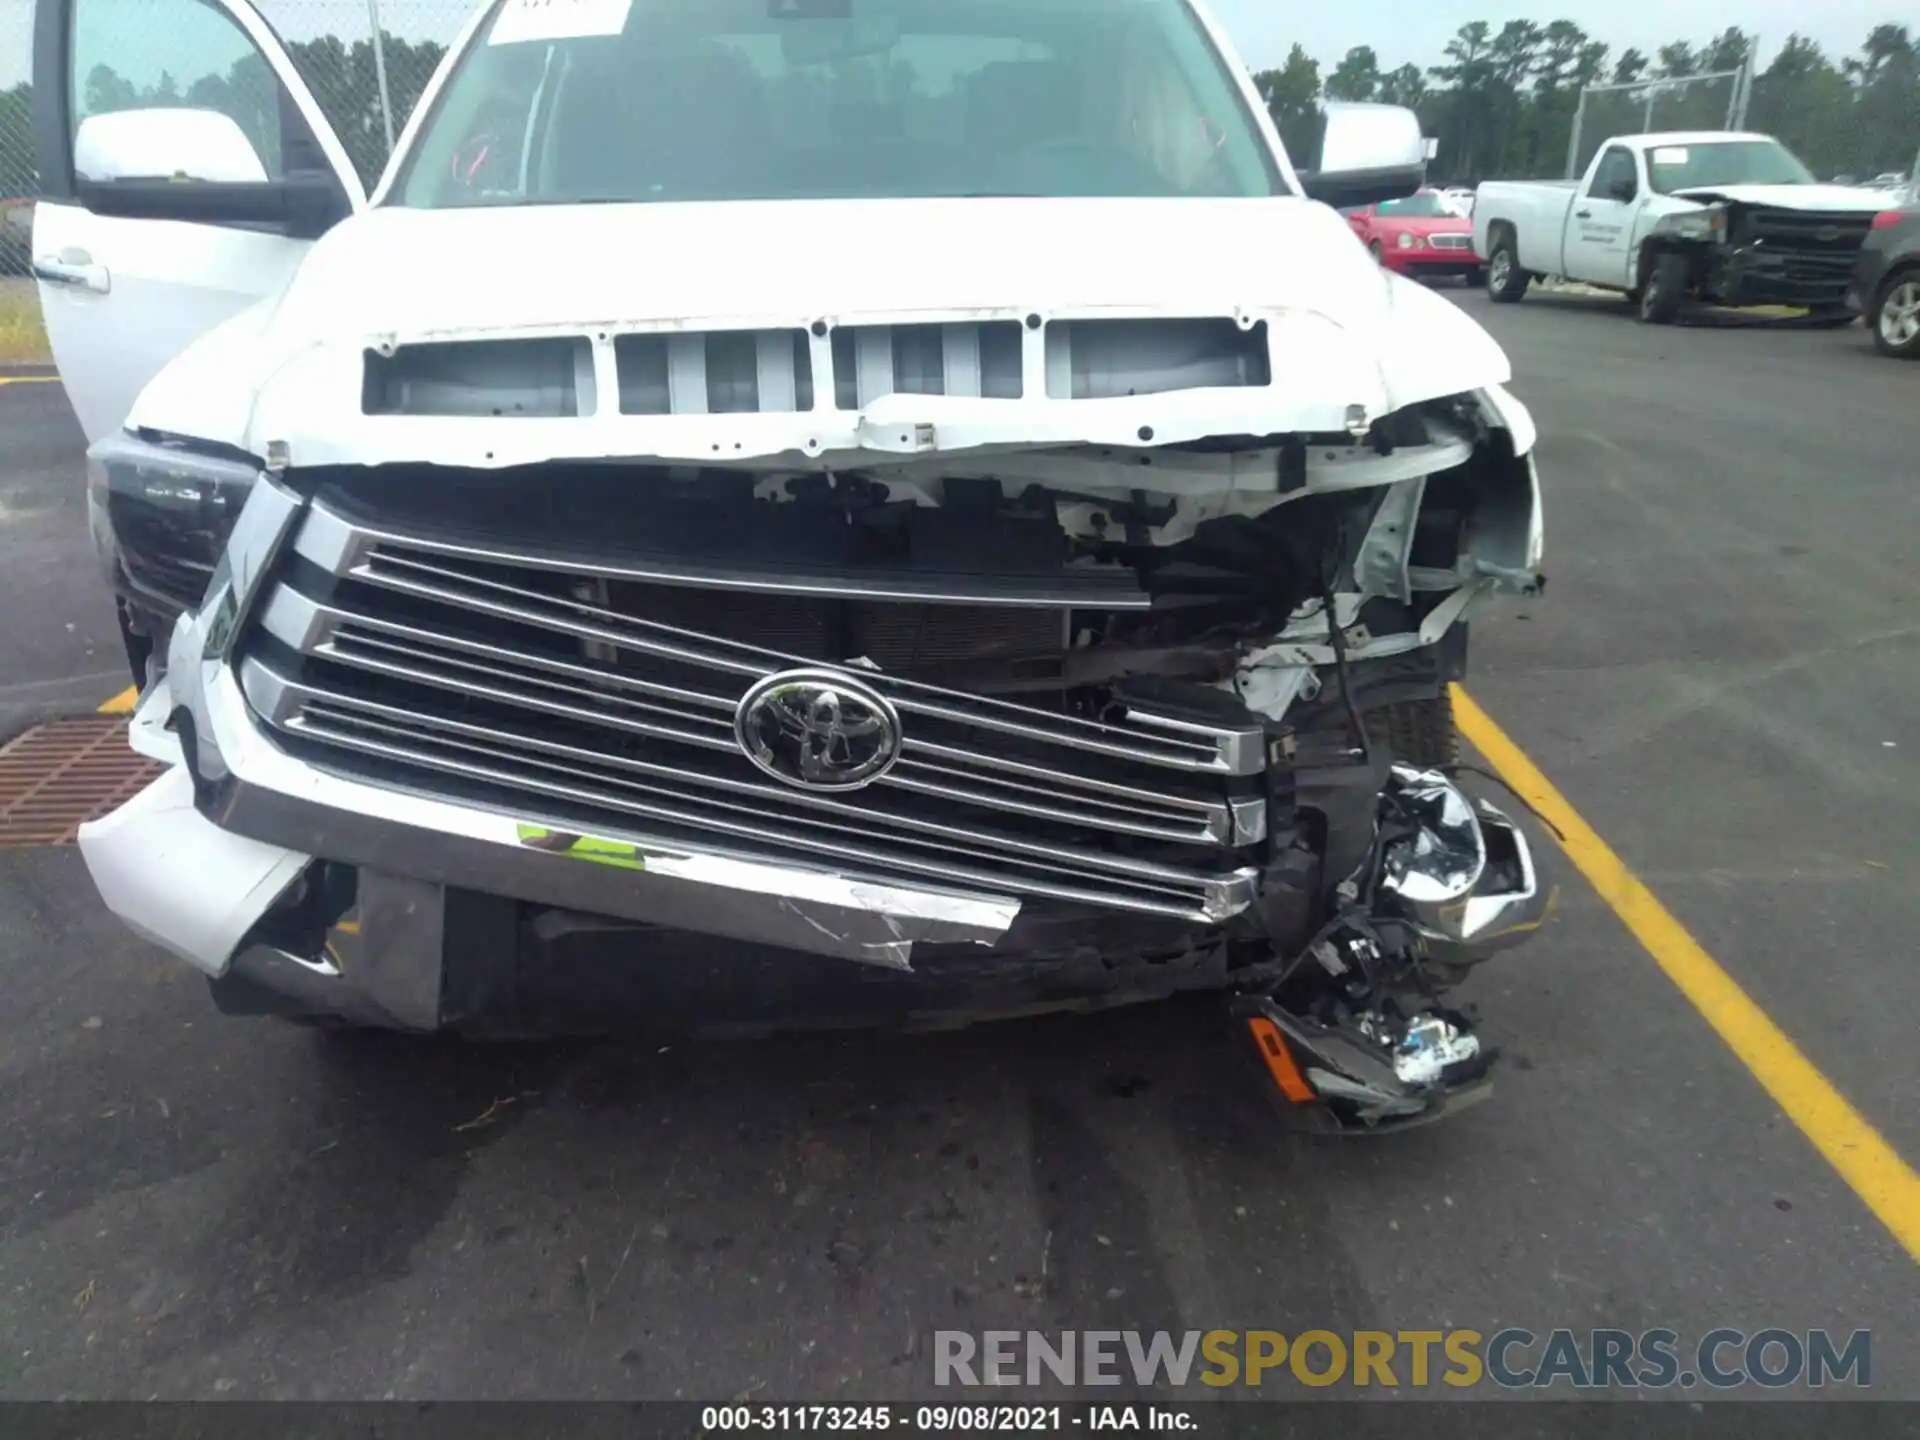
1425, 234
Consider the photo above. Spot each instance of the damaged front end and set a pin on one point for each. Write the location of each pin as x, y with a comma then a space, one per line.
1116, 690
1351, 1030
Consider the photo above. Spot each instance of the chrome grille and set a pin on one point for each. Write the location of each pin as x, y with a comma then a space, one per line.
1450, 242
1841, 232
407, 661
1804, 256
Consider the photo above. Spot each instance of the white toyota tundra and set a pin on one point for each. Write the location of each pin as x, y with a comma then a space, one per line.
787, 510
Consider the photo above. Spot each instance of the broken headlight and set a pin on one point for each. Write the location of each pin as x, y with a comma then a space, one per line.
160, 512
1706, 224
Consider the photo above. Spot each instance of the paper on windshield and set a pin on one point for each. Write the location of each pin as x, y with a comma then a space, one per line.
1670, 155
521, 21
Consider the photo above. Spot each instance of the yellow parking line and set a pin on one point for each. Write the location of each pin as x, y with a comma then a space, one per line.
1851, 1145
123, 703
29, 379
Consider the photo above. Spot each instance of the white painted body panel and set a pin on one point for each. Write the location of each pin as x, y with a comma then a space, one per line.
168, 284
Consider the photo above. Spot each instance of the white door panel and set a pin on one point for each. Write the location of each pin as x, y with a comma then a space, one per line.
123, 295
168, 283
1598, 236
1600, 226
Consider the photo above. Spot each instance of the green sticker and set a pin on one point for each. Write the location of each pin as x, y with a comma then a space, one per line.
583, 847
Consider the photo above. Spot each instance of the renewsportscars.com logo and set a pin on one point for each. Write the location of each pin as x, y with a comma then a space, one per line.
1512, 1359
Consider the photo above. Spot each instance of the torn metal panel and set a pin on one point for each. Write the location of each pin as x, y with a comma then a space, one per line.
1381, 566
1270, 687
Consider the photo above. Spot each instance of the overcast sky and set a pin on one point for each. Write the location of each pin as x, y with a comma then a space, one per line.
1399, 30
1417, 30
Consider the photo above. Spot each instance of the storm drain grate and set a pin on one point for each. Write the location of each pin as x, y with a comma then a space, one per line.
55, 778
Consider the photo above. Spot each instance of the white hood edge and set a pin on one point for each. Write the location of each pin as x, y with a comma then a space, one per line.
1809, 199
1342, 332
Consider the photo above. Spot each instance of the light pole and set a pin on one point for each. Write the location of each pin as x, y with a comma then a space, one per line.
380, 72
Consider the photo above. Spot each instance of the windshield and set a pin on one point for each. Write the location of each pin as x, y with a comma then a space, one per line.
1724, 162
1425, 206
665, 100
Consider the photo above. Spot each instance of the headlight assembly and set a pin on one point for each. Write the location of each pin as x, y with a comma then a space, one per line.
1707, 224
160, 512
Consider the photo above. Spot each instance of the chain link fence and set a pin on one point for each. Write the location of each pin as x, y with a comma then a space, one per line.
1696, 102
17, 183
367, 94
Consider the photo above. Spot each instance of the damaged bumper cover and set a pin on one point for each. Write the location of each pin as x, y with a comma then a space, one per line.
198, 888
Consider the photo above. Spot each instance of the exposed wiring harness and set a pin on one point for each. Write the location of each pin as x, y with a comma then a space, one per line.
1337, 638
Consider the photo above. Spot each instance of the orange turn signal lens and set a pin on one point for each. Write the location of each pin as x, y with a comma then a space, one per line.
1279, 1060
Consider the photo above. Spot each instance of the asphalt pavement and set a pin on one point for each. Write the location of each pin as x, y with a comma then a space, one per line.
1720, 677
60, 649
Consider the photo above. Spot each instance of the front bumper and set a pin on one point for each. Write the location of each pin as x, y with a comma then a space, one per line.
1428, 261
453, 911
197, 883
1748, 277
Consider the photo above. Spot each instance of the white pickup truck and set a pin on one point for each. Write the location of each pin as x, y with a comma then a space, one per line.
1731, 218
998, 545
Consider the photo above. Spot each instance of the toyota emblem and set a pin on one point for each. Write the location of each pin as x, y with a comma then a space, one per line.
818, 729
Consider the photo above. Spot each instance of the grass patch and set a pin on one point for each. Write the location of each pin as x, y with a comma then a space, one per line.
21, 335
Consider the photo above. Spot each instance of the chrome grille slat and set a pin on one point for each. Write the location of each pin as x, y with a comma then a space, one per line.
1137, 803
302, 623
1202, 897
938, 756
627, 635
304, 697
721, 737
1141, 823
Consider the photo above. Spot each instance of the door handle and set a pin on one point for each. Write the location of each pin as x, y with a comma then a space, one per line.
82, 274
1583, 214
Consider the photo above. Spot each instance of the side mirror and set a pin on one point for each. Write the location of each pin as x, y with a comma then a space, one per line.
166, 144
197, 166
1368, 153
